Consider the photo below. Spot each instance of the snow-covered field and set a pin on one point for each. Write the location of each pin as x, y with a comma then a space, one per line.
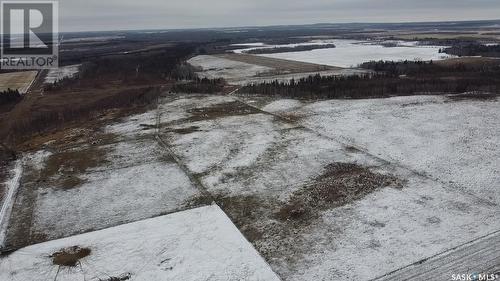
455, 142
197, 244
120, 175
434, 161
241, 73
350, 53
254, 163
215, 67
57, 74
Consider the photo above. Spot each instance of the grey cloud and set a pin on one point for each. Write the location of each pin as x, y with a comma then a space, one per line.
165, 14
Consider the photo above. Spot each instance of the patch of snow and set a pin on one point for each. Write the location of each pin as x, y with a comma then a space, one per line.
390, 229
282, 105
198, 244
455, 142
58, 74
136, 125
215, 67
37, 159
112, 197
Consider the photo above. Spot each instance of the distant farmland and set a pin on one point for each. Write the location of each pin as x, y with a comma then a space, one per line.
17, 80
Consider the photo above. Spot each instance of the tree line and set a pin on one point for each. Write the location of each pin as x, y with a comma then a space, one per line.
200, 85
9, 96
392, 79
473, 49
299, 48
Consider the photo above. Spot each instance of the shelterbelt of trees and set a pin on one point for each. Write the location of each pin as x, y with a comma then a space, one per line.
389, 79
300, 48
9, 96
473, 49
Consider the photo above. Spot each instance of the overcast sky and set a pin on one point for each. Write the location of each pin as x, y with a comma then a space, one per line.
85, 15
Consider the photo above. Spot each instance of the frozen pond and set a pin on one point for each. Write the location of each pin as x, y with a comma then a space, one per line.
350, 53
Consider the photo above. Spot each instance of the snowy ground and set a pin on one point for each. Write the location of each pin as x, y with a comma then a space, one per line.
253, 163
57, 74
241, 73
7, 201
433, 162
350, 53
455, 142
112, 177
215, 67
198, 244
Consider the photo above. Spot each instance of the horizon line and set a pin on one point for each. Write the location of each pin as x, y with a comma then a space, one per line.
281, 25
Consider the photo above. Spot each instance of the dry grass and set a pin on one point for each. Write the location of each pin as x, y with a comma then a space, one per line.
70, 256
479, 96
64, 168
340, 184
17, 80
220, 110
185, 131
274, 226
467, 60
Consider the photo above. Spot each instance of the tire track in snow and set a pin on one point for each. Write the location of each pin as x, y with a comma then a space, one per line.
12, 187
194, 180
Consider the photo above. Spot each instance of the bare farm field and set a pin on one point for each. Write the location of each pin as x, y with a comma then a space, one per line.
317, 202
281, 65
242, 69
20, 81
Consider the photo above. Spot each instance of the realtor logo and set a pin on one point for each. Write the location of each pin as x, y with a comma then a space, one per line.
29, 35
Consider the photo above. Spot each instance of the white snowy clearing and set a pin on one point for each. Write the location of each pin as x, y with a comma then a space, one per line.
241, 73
57, 74
434, 161
350, 53
254, 162
215, 67
455, 142
197, 244
120, 175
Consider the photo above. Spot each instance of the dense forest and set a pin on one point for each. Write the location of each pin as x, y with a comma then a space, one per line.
9, 96
197, 85
299, 48
392, 79
473, 50
430, 68
116, 82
